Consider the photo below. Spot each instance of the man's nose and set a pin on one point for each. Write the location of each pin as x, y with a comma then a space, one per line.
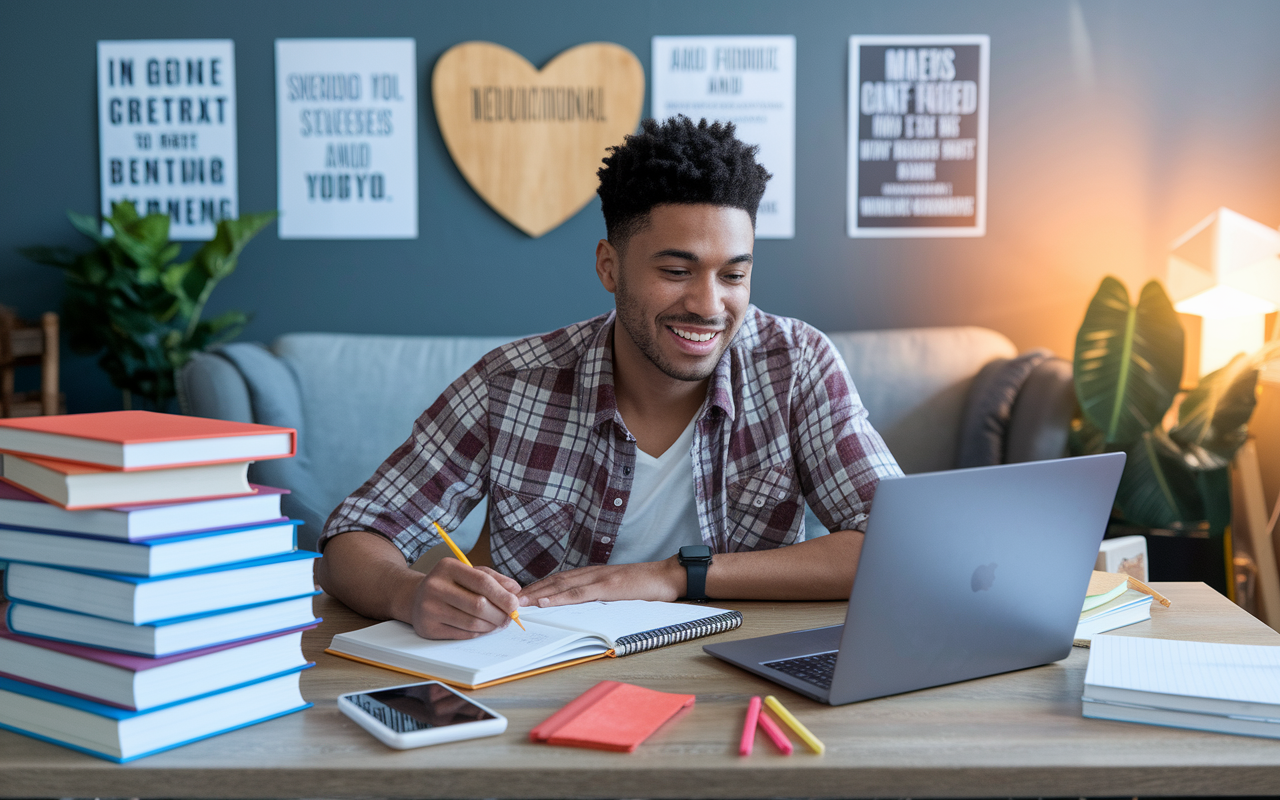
704, 297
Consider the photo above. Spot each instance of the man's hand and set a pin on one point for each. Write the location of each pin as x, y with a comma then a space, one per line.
455, 601
651, 580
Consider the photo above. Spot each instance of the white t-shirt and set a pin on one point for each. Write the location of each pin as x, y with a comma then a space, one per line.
661, 515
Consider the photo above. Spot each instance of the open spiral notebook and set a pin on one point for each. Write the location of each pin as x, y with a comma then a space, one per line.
555, 637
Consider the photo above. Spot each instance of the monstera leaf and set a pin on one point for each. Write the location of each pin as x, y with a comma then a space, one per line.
1128, 361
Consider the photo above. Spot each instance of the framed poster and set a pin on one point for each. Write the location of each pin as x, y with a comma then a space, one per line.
167, 131
918, 136
749, 81
347, 138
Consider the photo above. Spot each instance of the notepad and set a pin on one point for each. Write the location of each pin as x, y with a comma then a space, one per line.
611, 716
554, 637
1203, 678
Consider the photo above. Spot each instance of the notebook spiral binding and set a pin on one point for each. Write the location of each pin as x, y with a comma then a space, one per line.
674, 634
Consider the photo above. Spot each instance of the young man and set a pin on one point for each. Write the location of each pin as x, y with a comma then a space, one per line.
665, 450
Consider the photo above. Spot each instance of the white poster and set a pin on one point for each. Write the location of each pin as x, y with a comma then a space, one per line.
917, 136
347, 138
167, 131
749, 81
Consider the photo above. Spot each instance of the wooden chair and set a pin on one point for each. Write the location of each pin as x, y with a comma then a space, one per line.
29, 344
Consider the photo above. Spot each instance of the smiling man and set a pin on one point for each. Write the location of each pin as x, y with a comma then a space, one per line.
662, 451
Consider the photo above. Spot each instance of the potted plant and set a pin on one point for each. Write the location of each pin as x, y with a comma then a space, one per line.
132, 303
1128, 373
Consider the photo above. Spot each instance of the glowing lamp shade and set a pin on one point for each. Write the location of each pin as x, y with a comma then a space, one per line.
1226, 272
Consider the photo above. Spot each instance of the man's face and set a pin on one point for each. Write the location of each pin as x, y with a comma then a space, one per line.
682, 285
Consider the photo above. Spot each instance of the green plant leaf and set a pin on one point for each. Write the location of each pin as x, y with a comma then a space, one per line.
51, 256
1128, 361
88, 225
1213, 418
1157, 489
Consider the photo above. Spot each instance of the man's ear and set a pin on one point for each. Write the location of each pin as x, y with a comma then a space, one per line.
607, 265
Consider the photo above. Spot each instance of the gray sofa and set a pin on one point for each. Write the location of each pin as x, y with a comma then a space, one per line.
942, 398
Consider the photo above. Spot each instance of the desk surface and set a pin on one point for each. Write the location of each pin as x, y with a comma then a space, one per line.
1018, 734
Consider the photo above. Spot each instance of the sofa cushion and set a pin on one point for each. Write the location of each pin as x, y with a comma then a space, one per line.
913, 383
989, 408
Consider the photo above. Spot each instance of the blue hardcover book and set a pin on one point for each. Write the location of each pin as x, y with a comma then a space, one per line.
152, 557
165, 638
119, 735
137, 600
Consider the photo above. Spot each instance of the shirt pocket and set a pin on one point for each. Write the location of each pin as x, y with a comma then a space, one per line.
529, 513
764, 509
530, 536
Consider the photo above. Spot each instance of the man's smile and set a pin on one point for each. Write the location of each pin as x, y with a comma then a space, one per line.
694, 336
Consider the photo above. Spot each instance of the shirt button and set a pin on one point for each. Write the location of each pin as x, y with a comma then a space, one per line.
604, 539
626, 470
759, 501
617, 501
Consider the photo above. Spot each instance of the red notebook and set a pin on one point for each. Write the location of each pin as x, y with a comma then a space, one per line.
133, 440
611, 716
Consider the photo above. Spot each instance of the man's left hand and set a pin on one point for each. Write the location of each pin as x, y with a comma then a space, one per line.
651, 580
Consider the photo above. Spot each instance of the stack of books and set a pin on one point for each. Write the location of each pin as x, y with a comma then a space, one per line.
156, 597
1114, 600
1227, 688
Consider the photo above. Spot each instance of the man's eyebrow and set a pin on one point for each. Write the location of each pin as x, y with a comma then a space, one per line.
681, 254
685, 255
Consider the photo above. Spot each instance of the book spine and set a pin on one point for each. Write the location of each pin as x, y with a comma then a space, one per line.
674, 634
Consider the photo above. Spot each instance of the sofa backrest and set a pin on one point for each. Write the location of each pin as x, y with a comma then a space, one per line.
914, 381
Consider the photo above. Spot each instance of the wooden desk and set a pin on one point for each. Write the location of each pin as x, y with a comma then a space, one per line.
1019, 734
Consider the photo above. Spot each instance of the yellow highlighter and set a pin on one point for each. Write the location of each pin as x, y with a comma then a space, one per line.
461, 556
815, 744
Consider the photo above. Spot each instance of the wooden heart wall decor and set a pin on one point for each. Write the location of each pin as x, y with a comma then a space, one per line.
529, 141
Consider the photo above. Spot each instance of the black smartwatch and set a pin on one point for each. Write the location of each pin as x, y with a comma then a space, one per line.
695, 559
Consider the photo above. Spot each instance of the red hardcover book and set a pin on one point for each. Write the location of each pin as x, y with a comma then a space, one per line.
141, 440
611, 716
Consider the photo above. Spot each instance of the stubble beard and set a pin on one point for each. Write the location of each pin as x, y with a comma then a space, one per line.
636, 325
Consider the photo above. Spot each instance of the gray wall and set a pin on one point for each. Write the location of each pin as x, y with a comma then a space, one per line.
1115, 126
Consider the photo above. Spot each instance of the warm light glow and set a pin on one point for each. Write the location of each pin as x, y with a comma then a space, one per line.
1222, 302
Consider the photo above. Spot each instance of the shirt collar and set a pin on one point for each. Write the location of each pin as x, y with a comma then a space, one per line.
595, 372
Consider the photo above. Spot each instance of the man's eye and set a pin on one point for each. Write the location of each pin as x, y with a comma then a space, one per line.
735, 277
676, 272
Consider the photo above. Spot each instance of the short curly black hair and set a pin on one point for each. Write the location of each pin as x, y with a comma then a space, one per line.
677, 161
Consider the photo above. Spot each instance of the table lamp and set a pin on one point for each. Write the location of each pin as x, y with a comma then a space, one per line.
1224, 278
1225, 274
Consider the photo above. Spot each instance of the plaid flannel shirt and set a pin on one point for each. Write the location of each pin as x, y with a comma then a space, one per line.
534, 425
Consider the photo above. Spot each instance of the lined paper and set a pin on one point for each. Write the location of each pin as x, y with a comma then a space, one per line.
1237, 672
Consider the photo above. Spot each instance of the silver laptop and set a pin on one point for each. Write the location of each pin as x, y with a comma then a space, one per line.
963, 574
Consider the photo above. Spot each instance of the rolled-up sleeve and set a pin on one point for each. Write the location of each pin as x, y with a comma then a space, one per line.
840, 457
438, 475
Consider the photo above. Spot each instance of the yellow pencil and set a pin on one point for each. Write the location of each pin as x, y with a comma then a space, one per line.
461, 556
815, 744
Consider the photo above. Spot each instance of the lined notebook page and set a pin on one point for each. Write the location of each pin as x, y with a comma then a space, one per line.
616, 619
1242, 672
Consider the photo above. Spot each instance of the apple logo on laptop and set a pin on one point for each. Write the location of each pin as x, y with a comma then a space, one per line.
983, 577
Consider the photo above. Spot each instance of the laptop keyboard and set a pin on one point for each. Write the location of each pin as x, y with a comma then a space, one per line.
816, 669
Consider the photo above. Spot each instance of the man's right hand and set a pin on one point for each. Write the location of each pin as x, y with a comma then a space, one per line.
455, 601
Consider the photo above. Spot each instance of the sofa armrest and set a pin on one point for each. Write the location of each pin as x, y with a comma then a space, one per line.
210, 386
1041, 419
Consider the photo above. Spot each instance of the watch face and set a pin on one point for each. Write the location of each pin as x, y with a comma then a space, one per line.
695, 552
